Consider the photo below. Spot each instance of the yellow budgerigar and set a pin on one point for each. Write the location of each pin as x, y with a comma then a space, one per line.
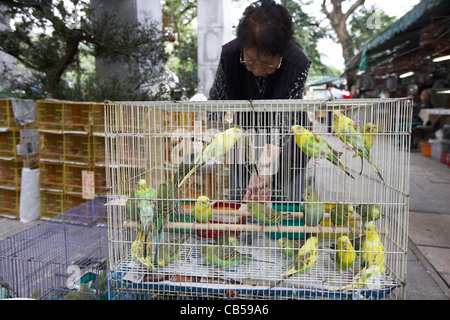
203, 209
369, 130
305, 260
221, 144
347, 130
345, 254
372, 258
372, 250
317, 147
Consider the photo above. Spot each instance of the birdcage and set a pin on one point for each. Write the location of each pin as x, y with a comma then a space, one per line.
258, 199
61, 258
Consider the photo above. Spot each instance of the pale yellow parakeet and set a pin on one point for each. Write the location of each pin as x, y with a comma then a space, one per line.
202, 209
368, 132
347, 130
317, 147
372, 258
219, 145
305, 260
345, 255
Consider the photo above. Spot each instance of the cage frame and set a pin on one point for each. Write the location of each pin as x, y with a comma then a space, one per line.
116, 124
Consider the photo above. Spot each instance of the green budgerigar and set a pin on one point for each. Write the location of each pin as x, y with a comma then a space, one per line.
340, 214
168, 252
290, 247
317, 147
345, 255
167, 197
369, 212
202, 209
221, 144
146, 214
305, 259
313, 209
347, 130
224, 256
263, 213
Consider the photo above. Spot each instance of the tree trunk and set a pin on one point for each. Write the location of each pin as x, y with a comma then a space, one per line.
338, 21
61, 66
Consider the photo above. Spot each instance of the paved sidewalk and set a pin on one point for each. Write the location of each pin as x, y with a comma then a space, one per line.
429, 225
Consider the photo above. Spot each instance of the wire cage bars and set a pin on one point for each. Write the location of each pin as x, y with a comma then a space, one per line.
261, 199
63, 258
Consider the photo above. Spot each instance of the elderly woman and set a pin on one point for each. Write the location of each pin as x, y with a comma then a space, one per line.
264, 62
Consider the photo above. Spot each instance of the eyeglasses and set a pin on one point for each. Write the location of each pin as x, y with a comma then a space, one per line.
251, 64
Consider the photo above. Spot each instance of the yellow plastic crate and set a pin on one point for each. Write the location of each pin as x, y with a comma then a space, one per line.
51, 146
52, 203
73, 182
9, 202
77, 148
72, 200
98, 143
7, 116
100, 180
77, 117
50, 115
98, 118
8, 143
51, 175
10, 173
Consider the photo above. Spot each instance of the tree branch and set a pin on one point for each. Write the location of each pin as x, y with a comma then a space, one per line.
353, 8
324, 8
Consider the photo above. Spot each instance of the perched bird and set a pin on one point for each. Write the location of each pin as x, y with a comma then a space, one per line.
167, 196
317, 147
289, 246
143, 191
369, 212
340, 214
264, 214
138, 247
368, 132
219, 145
202, 209
132, 209
345, 254
227, 239
348, 132
146, 214
147, 261
165, 207
169, 251
313, 209
372, 259
372, 250
225, 256
305, 260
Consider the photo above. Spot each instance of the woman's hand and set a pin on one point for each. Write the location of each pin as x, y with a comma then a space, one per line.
259, 186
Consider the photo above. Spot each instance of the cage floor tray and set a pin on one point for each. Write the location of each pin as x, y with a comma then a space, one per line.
193, 275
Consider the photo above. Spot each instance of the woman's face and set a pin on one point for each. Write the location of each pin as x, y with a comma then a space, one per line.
258, 64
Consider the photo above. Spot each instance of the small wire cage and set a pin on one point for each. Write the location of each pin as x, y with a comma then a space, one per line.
258, 199
63, 258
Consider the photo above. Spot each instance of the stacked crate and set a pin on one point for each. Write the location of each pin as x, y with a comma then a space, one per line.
66, 134
11, 163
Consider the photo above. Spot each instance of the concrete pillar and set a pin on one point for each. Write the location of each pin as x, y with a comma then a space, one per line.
214, 30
